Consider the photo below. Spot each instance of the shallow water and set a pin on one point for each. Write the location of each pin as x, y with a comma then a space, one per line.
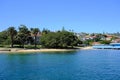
79, 65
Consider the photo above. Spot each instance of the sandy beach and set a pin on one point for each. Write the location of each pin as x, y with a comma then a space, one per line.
45, 50
15, 50
86, 48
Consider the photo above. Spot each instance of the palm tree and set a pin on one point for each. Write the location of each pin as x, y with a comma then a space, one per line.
23, 34
35, 31
12, 32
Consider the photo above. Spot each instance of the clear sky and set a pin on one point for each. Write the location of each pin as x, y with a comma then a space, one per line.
78, 15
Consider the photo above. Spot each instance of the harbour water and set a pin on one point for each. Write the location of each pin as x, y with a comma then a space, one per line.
79, 65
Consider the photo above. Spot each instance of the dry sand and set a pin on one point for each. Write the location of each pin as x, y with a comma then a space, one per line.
86, 48
15, 50
45, 50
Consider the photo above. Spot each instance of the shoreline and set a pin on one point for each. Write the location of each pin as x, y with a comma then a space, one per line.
86, 48
21, 50
45, 50
35, 50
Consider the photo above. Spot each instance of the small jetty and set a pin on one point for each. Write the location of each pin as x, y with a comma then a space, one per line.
110, 46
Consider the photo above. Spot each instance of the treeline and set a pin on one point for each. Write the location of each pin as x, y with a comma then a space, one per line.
33, 36
60, 39
20, 37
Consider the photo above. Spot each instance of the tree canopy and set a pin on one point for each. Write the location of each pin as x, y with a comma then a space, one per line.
23, 34
12, 32
35, 31
60, 39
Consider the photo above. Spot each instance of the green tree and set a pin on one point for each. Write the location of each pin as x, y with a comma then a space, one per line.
3, 37
45, 31
35, 32
12, 32
60, 39
23, 34
98, 37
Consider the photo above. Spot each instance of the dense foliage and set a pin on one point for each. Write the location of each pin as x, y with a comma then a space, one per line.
35, 32
24, 36
60, 39
4, 38
12, 33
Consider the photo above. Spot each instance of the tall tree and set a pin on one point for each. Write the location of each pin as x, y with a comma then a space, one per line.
4, 38
60, 39
35, 32
23, 34
12, 32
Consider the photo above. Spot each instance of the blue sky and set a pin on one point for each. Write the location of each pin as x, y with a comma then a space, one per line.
77, 15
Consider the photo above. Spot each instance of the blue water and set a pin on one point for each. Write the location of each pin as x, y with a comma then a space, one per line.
79, 65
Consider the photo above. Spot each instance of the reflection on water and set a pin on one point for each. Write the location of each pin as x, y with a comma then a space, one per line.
78, 65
